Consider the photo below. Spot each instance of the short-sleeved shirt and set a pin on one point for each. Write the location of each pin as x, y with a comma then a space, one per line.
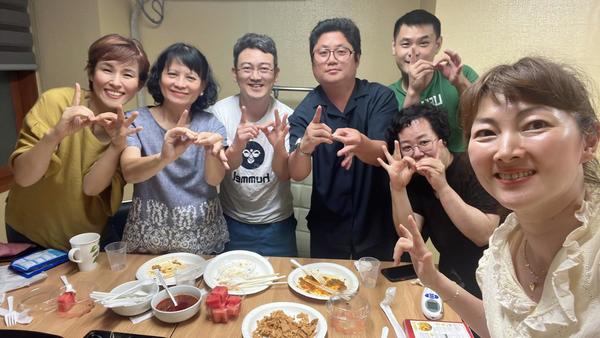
54, 209
175, 210
441, 92
253, 193
350, 209
459, 256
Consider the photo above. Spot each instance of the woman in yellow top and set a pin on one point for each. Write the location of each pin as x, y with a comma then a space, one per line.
67, 153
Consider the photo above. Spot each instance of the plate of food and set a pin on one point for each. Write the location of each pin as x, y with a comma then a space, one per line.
336, 277
298, 319
170, 263
235, 267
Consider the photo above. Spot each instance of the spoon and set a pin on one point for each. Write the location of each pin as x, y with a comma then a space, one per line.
164, 285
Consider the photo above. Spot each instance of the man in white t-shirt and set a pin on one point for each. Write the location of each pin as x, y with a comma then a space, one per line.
255, 194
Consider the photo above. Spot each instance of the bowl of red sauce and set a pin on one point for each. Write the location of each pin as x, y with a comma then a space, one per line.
188, 300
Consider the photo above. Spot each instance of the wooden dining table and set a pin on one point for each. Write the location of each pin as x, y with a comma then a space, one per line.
405, 306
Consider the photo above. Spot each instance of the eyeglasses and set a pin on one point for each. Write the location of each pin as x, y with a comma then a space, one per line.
423, 145
341, 54
249, 70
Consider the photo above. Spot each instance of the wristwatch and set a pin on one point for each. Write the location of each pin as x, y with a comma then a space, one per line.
298, 142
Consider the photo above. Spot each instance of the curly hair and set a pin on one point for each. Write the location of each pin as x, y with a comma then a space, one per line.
192, 58
436, 116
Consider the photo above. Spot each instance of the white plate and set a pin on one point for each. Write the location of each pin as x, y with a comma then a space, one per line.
259, 266
291, 309
329, 269
191, 261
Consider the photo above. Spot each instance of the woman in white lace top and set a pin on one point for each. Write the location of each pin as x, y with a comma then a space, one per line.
533, 134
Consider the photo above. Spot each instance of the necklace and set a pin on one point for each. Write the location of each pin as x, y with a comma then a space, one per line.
533, 283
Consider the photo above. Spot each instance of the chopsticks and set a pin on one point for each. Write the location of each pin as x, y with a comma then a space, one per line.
256, 281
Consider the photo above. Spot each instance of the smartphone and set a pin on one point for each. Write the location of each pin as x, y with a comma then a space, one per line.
399, 273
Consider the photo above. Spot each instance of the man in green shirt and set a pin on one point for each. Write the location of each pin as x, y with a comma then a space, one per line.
425, 77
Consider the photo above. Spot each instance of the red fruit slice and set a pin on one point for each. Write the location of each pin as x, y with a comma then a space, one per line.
66, 301
220, 315
213, 301
234, 300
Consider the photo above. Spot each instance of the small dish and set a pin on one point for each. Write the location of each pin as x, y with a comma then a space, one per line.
185, 261
251, 320
324, 269
180, 315
246, 263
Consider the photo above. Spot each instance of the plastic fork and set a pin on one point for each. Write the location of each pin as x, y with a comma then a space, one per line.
68, 286
309, 273
10, 318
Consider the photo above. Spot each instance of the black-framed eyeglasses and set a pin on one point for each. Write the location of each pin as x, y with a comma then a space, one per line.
341, 54
248, 70
423, 145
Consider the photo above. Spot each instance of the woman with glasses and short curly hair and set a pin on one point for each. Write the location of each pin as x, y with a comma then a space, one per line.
438, 187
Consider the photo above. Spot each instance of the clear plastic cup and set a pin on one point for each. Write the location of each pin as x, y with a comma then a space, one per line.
368, 268
348, 314
117, 255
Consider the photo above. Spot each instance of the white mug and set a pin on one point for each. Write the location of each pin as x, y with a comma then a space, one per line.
85, 250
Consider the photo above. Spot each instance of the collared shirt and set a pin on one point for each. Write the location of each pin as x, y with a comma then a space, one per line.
570, 301
349, 208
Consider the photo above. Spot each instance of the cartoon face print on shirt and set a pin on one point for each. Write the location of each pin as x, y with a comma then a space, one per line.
253, 155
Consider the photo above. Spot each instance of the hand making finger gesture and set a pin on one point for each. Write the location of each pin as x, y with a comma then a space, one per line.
450, 64
433, 168
75, 117
351, 138
117, 126
277, 130
418, 72
315, 134
213, 146
245, 131
177, 139
400, 169
411, 241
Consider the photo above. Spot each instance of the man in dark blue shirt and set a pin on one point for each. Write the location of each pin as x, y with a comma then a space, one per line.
341, 126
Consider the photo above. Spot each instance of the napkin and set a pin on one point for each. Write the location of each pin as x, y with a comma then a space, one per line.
140, 318
22, 317
12, 281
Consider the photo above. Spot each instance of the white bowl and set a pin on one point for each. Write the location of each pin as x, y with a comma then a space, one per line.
181, 315
143, 306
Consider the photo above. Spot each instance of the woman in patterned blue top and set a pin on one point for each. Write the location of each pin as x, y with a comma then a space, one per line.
177, 160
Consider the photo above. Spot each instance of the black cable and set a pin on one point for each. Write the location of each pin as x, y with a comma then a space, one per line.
158, 6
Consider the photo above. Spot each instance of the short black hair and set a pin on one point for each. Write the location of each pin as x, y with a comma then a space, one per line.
342, 25
192, 58
261, 42
436, 116
418, 17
